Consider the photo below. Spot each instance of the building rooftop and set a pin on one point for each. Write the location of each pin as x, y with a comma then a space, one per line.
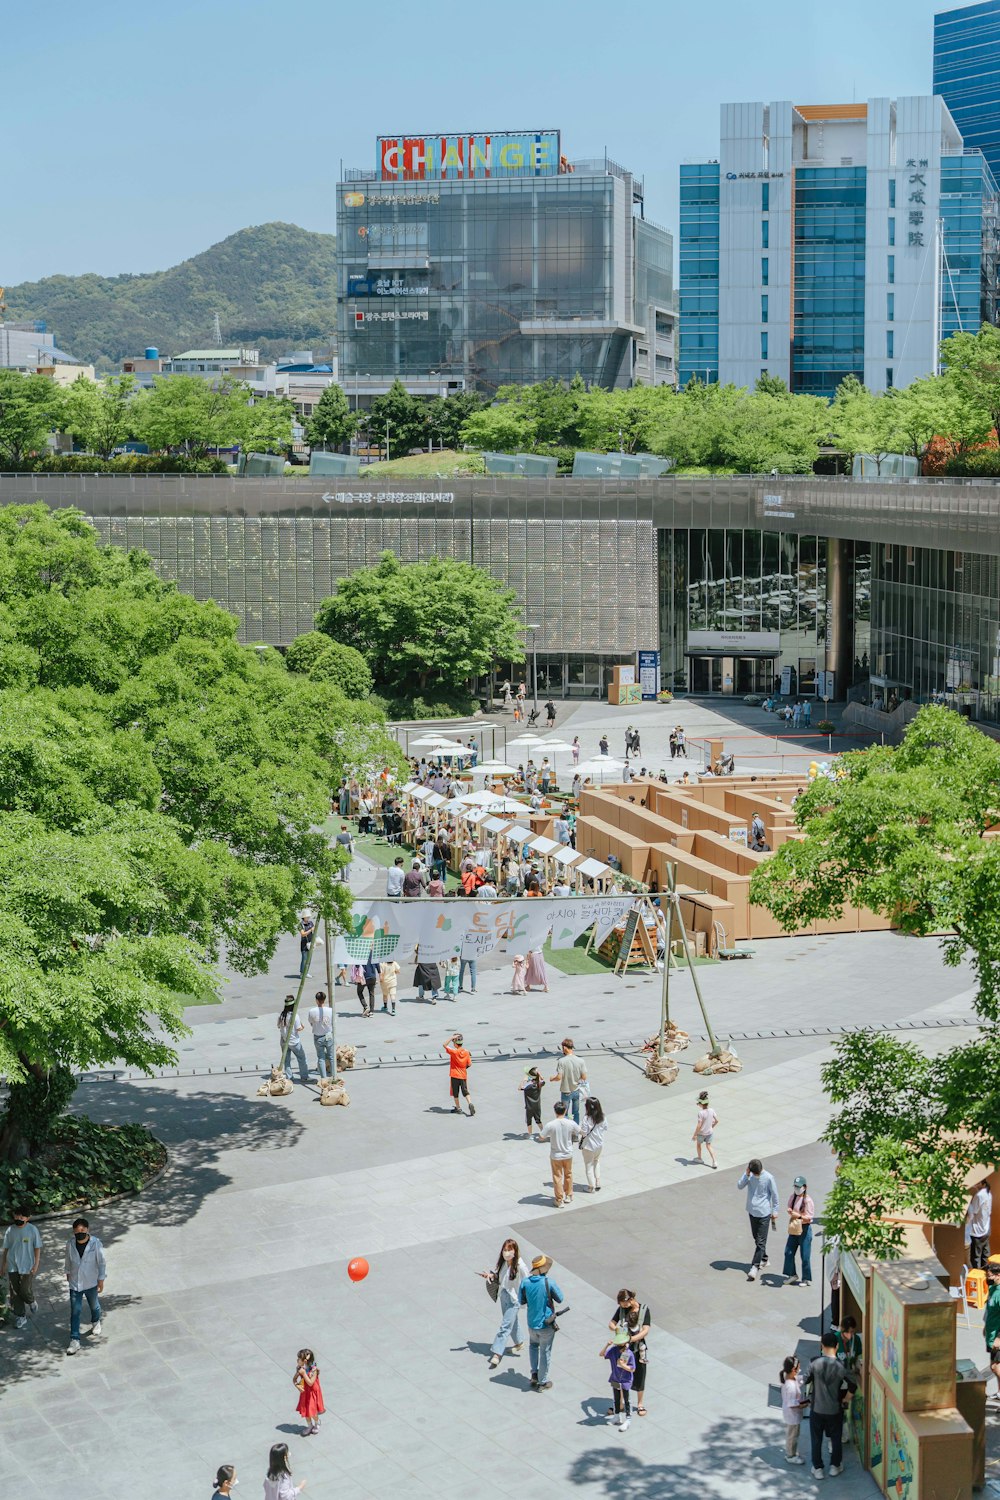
233, 354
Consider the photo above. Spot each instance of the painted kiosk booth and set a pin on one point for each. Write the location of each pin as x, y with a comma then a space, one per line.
904, 1419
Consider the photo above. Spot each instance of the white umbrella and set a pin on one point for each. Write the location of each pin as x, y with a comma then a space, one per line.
482, 799
527, 741
493, 768
508, 805
434, 742
599, 763
557, 747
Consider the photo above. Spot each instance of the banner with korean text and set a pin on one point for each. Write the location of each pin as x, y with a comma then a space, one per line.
395, 929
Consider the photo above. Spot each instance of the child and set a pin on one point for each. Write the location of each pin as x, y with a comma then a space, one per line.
790, 1380
451, 969
306, 1381
388, 973
518, 986
531, 1088
622, 1361
705, 1127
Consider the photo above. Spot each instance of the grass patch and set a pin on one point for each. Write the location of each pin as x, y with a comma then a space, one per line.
576, 960
447, 462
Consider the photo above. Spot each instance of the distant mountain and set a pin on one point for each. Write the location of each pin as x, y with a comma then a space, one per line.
273, 286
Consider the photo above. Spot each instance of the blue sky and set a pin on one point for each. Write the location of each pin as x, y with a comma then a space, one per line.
139, 134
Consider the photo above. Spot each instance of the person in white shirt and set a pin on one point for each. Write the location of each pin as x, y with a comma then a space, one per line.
561, 1133
790, 1379
278, 1483
321, 1021
509, 1272
289, 1033
86, 1269
394, 878
594, 1133
978, 1217
704, 1128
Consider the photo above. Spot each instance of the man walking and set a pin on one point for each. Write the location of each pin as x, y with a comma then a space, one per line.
562, 1133
538, 1295
85, 1272
22, 1253
460, 1061
978, 1215
345, 843
762, 1208
570, 1073
413, 880
394, 878
321, 1021
828, 1385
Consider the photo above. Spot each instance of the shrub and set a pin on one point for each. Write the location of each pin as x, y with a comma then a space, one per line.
982, 463
82, 1163
752, 700
304, 650
127, 463
826, 726
344, 667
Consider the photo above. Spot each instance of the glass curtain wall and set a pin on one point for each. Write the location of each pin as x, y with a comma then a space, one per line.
967, 73
699, 273
439, 277
969, 273
829, 289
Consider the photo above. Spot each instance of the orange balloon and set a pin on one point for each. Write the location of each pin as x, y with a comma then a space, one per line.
357, 1269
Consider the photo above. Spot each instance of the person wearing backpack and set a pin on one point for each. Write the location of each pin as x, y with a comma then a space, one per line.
539, 1295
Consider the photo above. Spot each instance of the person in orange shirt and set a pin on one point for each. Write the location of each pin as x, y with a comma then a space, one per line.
460, 1060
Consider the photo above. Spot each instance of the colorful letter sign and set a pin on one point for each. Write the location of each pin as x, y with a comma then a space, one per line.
416, 158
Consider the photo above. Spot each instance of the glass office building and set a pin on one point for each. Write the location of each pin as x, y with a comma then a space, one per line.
480, 261
867, 232
967, 74
741, 584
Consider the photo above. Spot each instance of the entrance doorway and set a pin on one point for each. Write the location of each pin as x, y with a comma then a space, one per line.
730, 675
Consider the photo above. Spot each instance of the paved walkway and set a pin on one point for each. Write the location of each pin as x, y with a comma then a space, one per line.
236, 1256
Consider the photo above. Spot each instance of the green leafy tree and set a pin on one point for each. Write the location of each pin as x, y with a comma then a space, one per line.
183, 411
619, 420
30, 407
908, 833
447, 415
770, 385
427, 624
333, 423
344, 667
499, 429
865, 423
972, 361
402, 415
162, 788
100, 415
304, 650
759, 432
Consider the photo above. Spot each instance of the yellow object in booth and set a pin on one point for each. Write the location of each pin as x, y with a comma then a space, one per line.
975, 1288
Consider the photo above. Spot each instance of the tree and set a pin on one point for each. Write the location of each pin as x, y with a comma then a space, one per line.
184, 411
625, 420
344, 667
909, 833
770, 385
30, 407
972, 361
162, 790
332, 423
446, 416
423, 624
100, 415
772, 431
499, 429
403, 415
304, 650
865, 423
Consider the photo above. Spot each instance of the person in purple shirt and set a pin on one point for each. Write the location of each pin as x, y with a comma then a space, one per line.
622, 1361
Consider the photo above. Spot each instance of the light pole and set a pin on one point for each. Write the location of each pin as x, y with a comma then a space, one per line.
534, 662
387, 439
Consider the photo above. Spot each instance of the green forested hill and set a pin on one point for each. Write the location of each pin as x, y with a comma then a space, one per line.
273, 286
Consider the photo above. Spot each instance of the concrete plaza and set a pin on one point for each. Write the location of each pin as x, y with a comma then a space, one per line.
236, 1256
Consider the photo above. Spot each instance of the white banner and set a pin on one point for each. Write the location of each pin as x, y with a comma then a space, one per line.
394, 929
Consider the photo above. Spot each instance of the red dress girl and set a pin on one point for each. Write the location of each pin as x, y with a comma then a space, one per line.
306, 1380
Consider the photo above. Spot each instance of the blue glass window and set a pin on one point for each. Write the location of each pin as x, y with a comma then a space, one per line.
765, 196
892, 231
764, 228
889, 341
891, 269
763, 346
890, 306
763, 270
892, 192
763, 307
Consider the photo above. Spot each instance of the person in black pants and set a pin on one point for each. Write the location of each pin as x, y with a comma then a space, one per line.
827, 1386
531, 1088
762, 1210
366, 977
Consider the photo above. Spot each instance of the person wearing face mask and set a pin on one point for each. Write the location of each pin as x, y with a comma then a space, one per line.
86, 1269
225, 1480
504, 1285
22, 1253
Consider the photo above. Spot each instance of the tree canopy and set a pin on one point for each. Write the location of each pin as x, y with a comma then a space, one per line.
30, 407
914, 834
439, 622
332, 423
184, 410
162, 790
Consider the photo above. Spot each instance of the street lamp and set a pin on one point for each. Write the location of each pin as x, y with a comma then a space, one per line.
534, 662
